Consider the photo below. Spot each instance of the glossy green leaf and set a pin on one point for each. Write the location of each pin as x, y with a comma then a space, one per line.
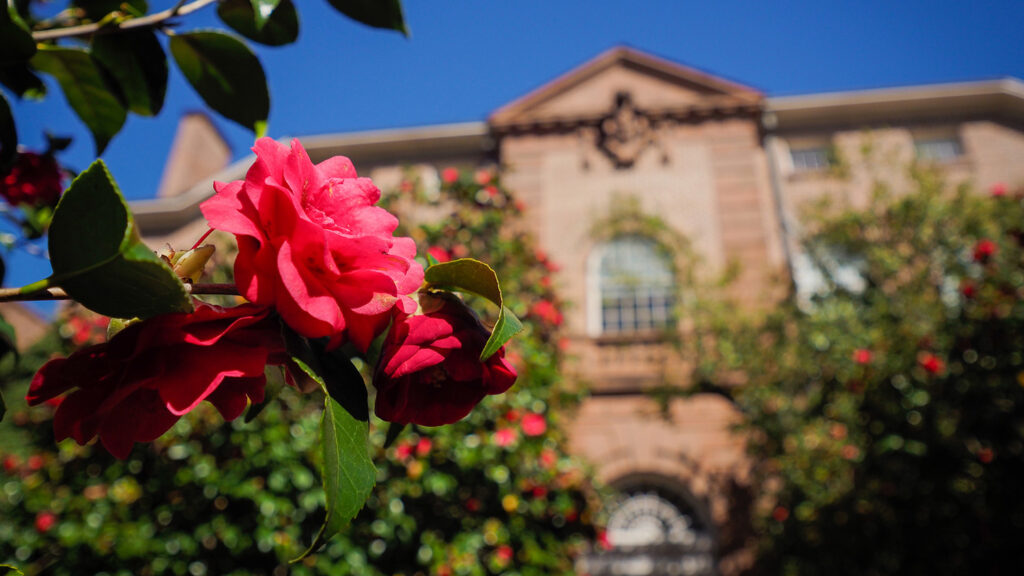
8, 135
98, 258
20, 79
251, 19
474, 277
348, 472
226, 74
377, 13
3, 411
87, 92
137, 62
16, 43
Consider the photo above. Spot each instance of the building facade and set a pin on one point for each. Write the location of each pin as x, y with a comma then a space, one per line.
727, 171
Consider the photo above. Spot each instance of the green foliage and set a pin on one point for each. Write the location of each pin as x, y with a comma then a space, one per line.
124, 68
274, 23
98, 258
886, 416
86, 90
243, 498
226, 74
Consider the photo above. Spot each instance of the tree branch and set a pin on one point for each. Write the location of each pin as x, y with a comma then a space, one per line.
15, 295
156, 19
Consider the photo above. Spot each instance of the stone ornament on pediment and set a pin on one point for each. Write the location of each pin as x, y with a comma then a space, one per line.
625, 133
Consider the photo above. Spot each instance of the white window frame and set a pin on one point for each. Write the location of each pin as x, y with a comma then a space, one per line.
595, 295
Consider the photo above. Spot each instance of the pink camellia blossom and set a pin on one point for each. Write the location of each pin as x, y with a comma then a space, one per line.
504, 554
439, 254
998, 189
505, 437
534, 424
548, 458
862, 356
136, 386
430, 371
312, 244
45, 521
423, 446
450, 175
984, 250
34, 180
484, 177
547, 312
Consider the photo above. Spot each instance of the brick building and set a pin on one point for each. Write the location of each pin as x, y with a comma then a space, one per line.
720, 164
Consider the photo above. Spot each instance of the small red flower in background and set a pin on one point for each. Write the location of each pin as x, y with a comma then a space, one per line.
136, 386
984, 250
547, 312
11, 463
986, 455
512, 415
548, 458
45, 521
439, 254
504, 554
505, 437
780, 514
313, 244
403, 451
539, 491
931, 363
862, 356
850, 452
483, 177
450, 175
603, 541
430, 371
968, 289
423, 446
35, 462
534, 425
34, 180
998, 189
472, 504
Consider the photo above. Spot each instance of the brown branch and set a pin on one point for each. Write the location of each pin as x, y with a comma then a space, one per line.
152, 20
15, 294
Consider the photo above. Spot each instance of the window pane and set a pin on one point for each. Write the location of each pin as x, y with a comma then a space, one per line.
636, 285
808, 159
938, 149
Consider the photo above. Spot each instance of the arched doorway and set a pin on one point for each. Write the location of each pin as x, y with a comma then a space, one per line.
654, 528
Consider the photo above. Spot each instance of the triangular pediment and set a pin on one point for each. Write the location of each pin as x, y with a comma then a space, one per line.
652, 84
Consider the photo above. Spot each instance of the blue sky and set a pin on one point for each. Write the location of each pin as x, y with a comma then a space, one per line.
466, 58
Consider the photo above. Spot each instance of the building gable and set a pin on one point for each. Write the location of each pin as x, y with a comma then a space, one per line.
654, 85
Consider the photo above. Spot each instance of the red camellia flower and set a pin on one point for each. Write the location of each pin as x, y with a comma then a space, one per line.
534, 425
505, 437
136, 386
862, 356
504, 554
34, 180
312, 244
45, 521
430, 371
998, 189
423, 446
439, 254
931, 363
984, 250
780, 514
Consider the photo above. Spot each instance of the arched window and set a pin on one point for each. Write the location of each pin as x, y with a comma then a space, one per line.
632, 288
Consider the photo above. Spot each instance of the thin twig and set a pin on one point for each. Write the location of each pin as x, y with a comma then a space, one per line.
180, 9
15, 295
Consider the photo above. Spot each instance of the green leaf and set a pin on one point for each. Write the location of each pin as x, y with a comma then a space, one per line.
377, 13
138, 64
20, 79
348, 472
16, 43
474, 277
251, 18
8, 135
98, 258
86, 90
226, 74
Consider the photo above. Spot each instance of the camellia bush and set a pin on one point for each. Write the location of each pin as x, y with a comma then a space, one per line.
327, 297
886, 414
493, 493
